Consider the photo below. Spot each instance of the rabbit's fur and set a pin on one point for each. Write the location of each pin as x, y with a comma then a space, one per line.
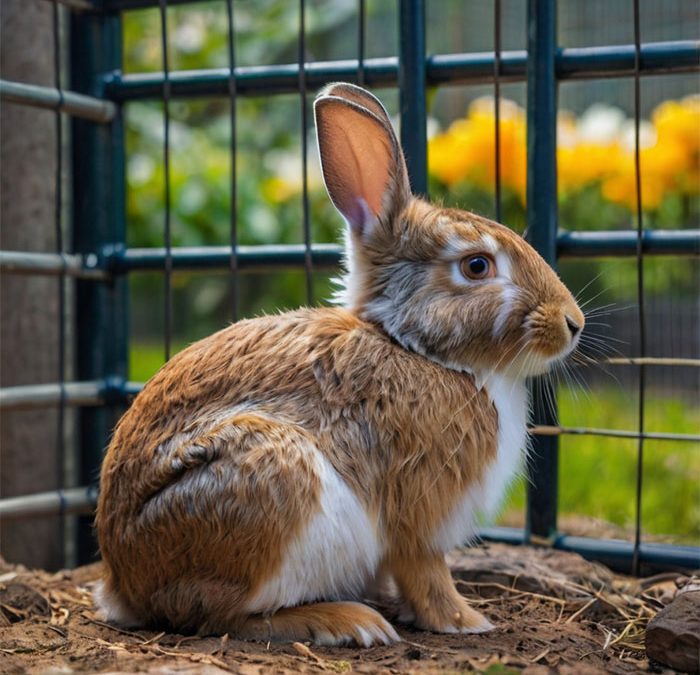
270, 476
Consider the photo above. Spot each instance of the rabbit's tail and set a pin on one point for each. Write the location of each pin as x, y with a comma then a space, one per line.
324, 623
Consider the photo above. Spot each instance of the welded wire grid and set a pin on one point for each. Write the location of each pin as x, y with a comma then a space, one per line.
93, 393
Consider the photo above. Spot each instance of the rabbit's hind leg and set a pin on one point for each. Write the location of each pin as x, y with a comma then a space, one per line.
324, 623
258, 521
219, 525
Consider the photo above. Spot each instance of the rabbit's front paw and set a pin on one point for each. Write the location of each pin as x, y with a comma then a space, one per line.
426, 585
454, 617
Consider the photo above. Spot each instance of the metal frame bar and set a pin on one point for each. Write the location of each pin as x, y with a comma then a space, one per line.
52, 264
109, 391
233, 130
98, 220
542, 488
61, 286
262, 258
80, 500
327, 256
167, 219
445, 69
541, 430
412, 92
117, 260
624, 243
50, 98
43, 395
497, 49
614, 553
303, 133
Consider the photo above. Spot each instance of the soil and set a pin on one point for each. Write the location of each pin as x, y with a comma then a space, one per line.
554, 613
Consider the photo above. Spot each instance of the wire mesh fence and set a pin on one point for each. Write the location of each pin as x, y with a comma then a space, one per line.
102, 260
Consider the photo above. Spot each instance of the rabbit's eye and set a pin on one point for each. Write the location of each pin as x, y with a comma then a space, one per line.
478, 267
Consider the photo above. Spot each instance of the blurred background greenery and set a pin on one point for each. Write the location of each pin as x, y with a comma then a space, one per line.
596, 192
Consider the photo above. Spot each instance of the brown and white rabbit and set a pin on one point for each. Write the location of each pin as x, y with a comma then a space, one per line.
270, 475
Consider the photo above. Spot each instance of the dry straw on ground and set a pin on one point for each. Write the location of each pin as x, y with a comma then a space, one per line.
554, 612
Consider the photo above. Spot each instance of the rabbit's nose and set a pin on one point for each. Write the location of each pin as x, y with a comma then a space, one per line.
574, 328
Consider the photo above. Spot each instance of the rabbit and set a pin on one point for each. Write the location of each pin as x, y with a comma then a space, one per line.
270, 476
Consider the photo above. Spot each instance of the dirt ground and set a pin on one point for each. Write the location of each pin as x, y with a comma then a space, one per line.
554, 612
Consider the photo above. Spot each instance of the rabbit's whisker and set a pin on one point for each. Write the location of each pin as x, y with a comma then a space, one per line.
591, 299
601, 339
598, 308
606, 310
592, 281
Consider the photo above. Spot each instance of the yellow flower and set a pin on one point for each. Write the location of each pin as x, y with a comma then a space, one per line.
659, 165
449, 155
276, 190
584, 163
679, 120
677, 123
595, 149
467, 150
587, 155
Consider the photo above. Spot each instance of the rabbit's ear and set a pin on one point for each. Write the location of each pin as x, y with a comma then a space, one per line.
363, 166
351, 92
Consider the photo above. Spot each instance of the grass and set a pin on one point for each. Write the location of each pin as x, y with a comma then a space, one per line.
597, 476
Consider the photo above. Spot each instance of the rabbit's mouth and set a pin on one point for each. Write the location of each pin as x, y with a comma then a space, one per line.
549, 340
531, 362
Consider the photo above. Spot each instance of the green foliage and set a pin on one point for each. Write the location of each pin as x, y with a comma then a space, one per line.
266, 32
268, 193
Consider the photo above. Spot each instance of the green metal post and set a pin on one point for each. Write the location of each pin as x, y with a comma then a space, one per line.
412, 92
98, 224
541, 519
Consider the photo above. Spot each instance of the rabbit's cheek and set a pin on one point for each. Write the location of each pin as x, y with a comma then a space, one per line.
333, 558
505, 316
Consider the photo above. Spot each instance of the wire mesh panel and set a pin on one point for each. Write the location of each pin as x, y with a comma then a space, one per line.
113, 105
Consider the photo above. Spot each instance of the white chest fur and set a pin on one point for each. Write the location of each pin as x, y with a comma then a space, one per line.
334, 556
483, 499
